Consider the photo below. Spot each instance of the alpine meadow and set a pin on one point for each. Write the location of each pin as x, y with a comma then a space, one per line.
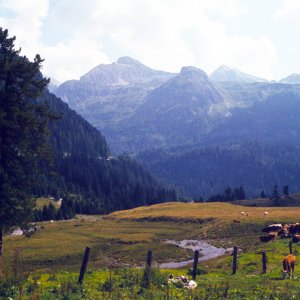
150, 150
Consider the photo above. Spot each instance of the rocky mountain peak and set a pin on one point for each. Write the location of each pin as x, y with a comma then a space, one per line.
193, 71
224, 73
126, 60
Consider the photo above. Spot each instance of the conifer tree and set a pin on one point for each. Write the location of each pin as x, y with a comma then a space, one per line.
286, 190
275, 193
23, 133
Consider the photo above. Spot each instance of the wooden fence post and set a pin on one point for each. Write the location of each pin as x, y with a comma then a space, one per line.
234, 261
291, 247
196, 257
264, 262
145, 282
84, 264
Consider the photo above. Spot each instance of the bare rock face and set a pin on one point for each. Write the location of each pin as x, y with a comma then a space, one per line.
110, 93
224, 73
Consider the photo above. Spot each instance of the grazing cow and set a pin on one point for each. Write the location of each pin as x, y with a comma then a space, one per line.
284, 230
296, 238
272, 227
294, 228
288, 264
269, 237
266, 213
284, 234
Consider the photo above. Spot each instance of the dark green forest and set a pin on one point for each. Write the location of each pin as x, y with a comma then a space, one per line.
208, 171
84, 169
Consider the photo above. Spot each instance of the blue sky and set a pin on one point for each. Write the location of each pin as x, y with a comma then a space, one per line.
257, 37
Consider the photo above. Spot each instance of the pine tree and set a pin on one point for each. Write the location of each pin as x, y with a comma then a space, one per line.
275, 193
241, 194
228, 194
23, 133
263, 194
286, 190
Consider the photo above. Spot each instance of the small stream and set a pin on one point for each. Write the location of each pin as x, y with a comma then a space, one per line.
207, 251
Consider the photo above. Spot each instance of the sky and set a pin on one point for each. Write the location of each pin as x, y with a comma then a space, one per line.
260, 37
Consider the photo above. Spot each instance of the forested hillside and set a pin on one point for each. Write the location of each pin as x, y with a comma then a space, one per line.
83, 167
208, 171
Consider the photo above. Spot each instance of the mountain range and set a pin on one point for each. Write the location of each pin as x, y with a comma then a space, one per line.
140, 110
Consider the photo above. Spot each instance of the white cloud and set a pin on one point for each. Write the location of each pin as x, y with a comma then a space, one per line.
289, 8
73, 58
162, 34
27, 20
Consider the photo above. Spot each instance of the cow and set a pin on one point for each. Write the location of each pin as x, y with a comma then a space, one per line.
285, 229
288, 264
294, 228
285, 235
269, 237
296, 238
272, 227
284, 232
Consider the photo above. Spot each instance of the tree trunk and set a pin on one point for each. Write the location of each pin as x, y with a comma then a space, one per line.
1, 252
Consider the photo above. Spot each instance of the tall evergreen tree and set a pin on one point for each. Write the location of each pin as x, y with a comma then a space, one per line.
23, 133
275, 193
241, 194
228, 194
263, 194
286, 190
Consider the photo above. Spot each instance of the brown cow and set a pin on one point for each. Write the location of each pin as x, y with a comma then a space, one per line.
288, 264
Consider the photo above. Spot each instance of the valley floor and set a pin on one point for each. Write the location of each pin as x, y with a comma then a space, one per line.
120, 241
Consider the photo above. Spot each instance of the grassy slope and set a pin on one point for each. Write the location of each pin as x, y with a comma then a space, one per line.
120, 238
125, 237
60, 245
206, 211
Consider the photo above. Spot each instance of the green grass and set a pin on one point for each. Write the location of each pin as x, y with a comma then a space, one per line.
125, 283
60, 245
123, 238
120, 240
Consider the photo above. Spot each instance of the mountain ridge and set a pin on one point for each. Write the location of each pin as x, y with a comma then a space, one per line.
224, 73
291, 79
